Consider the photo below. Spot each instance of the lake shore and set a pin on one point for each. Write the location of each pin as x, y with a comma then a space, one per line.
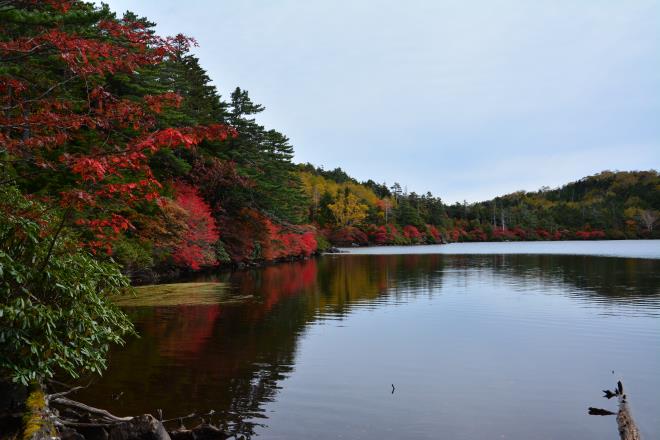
650, 249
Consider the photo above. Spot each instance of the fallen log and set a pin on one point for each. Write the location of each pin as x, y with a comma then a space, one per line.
625, 423
627, 428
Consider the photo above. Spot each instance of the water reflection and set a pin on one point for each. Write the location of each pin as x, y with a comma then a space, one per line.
233, 357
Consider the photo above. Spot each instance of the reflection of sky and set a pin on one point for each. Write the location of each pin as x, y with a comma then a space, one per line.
468, 99
486, 354
623, 248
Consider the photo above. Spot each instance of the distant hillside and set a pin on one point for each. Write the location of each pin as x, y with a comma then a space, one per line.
613, 205
622, 204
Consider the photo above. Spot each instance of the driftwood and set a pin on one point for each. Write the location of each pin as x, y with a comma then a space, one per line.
627, 427
626, 424
102, 415
75, 419
189, 416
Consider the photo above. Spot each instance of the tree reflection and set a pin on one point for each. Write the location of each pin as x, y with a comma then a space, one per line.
231, 357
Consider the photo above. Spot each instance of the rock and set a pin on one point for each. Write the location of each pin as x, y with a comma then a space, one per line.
93, 432
144, 427
182, 434
206, 431
70, 434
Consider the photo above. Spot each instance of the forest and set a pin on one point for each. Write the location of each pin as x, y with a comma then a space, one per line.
120, 159
608, 205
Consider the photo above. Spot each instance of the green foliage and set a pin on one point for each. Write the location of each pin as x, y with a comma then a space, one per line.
621, 203
167, 165
324, 189
408, 214
322, 243
264, 157
55, 309
221, 253
133, 254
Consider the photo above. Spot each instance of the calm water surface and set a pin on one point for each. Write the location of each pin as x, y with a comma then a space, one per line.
477, 347
607, 248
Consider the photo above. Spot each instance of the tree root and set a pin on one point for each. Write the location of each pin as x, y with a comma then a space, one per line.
100, 414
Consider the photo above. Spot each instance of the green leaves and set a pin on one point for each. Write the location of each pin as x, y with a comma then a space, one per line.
58, 316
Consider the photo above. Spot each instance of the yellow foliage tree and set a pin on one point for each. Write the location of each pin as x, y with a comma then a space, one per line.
348, 210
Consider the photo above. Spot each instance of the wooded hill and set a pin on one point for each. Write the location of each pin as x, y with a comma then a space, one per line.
608, 205
614, 205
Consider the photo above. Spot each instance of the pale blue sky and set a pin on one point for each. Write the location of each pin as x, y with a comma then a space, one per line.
467, 99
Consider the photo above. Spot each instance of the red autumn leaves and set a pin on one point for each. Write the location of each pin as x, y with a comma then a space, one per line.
98, 148
282, 242
196, 248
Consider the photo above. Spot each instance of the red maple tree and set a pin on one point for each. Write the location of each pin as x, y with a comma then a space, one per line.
65, 123
196, 248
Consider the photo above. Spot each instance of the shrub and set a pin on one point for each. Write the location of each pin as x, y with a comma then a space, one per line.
432, 235
348, 236
197, 247
322, 243
412, 234
55, 308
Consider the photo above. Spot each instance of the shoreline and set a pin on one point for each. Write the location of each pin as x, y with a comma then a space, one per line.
150, 276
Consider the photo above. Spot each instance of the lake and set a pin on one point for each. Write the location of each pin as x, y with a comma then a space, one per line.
479, 343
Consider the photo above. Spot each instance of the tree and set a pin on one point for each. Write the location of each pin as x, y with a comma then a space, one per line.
347, 209
397, 192
55, 298
325, 215
649, 218
65, 134
385, 205
197, 246
407, 214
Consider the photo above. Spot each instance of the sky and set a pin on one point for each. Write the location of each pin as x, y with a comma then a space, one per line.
467, 99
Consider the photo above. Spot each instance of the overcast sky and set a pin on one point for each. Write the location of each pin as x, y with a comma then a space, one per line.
467, 99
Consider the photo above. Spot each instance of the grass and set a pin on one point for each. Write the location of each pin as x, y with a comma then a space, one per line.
178, 294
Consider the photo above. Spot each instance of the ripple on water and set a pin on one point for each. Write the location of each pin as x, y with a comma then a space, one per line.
478, 346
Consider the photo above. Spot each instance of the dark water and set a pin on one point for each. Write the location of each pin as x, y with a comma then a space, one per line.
477, 346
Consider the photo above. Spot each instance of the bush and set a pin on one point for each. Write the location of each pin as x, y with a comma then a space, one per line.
412, 234
348, 236
133, 254
432, 235
322, 243
55, 309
